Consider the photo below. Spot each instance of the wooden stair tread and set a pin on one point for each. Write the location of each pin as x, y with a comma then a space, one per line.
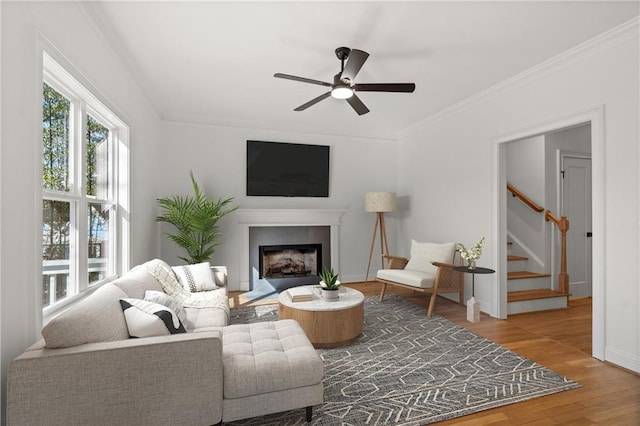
514, 257
517, 296
518, 275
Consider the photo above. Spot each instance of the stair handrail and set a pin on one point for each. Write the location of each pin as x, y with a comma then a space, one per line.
563, 225
521, 195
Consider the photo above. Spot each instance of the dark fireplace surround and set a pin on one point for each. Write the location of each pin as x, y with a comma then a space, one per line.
288, 256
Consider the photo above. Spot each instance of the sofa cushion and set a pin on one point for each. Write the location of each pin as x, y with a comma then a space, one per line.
168, 301
205, 299
422, 254
97, 318
203, 319
137, 281
407, 277
147, 319
267, 357
219, 275
194, 278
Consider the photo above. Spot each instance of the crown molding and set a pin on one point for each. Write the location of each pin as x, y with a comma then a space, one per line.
610, 38
201, 121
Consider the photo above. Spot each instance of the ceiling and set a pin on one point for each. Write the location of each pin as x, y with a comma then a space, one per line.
213, 62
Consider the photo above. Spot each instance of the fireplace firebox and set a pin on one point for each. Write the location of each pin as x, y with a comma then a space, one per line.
289, 260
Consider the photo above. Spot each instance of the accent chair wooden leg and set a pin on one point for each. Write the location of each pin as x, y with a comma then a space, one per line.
309, 413
384, 288
432, 303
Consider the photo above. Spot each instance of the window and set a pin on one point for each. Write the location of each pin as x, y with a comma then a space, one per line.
84, 189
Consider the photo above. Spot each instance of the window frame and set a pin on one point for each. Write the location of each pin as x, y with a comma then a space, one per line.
84, 103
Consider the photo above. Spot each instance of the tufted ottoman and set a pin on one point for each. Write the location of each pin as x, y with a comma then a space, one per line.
269, 367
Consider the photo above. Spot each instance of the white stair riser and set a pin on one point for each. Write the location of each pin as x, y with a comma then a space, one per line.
535, 305
529, 284
517, 265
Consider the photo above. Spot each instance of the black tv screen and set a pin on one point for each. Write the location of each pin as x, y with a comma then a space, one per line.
287, 169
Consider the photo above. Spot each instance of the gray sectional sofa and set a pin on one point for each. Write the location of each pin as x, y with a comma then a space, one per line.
87, 370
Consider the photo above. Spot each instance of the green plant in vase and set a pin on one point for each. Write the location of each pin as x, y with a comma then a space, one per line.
195, 219
330, 284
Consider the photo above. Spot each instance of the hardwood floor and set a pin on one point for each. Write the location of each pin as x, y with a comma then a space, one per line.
559, 340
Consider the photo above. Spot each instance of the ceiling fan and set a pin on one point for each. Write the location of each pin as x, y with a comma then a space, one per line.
344, 87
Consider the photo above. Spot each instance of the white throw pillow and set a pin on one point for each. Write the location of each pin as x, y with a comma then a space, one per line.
146, 319
168, 301
196, 277
422, 254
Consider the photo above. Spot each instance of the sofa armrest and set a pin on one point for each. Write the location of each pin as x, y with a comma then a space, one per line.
396, 262
161, 380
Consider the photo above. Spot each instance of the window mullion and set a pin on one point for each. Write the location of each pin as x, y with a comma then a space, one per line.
82, 207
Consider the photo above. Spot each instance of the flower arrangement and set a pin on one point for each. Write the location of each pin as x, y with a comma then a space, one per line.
473, 254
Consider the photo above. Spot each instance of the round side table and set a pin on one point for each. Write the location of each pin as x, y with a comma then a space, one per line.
473, 306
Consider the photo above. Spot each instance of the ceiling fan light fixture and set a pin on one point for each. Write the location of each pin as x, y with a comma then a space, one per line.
342, 92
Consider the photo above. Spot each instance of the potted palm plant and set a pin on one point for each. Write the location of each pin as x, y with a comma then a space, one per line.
195, 220
329, 283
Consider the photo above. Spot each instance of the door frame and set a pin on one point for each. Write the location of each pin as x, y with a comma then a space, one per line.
595, 117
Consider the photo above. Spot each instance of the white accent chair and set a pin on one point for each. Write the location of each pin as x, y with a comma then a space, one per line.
428, 270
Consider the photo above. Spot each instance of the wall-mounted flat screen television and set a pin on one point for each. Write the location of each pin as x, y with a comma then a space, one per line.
287, 169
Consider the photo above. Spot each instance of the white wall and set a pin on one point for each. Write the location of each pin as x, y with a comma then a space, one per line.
217, 156
448, 165
527, 228
73, 33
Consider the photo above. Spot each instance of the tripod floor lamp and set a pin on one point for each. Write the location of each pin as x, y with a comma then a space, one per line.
379, 202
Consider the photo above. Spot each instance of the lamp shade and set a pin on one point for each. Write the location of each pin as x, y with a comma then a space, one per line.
380, 202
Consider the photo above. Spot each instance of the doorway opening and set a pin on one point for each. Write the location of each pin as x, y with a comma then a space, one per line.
591, 120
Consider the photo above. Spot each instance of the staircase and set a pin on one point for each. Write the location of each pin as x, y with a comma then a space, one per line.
530, 291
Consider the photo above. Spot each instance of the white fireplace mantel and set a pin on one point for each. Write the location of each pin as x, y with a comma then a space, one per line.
248, 218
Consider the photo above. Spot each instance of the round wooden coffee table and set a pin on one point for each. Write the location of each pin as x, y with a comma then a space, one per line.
327, 324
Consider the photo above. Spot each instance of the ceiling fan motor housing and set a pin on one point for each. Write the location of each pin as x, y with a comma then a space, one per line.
343, 53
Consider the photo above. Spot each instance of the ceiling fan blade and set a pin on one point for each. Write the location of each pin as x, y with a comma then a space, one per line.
385, 87
355, 61
357, 105
301, 79
313, 101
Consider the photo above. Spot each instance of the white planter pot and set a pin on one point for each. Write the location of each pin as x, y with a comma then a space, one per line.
330, 295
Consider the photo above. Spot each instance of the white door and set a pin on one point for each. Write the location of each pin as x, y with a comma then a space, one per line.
576, 206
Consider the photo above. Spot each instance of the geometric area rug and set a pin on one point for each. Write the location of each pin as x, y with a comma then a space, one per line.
407, 369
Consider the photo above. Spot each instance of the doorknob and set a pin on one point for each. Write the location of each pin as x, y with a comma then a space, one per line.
589, 234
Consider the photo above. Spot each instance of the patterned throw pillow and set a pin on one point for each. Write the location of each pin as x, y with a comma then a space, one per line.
146, 319
168, 301
196, 277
